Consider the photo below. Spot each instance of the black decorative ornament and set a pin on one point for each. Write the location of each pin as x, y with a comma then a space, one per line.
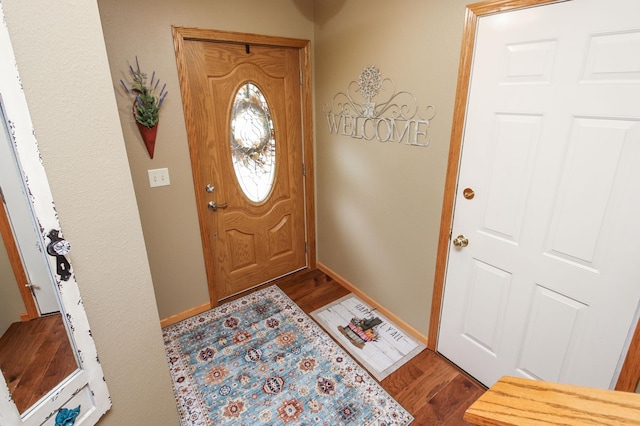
58, 248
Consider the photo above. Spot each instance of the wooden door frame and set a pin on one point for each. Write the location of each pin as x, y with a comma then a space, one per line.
182, 34
18, 268
630, 373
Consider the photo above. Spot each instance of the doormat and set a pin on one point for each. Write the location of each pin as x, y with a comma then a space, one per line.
261, 360
380, 345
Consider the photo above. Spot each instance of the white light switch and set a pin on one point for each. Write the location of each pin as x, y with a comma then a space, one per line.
158, 177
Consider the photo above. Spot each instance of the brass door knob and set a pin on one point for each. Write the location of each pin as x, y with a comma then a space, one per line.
460, 241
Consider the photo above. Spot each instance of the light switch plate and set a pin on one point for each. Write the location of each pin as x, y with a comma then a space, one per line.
158, 177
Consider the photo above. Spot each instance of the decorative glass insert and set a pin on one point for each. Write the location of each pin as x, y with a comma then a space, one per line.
253, 143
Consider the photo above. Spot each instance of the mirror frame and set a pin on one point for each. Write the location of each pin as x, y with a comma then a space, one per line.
86, 386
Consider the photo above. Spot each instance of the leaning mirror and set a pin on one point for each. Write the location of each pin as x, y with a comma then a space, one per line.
35, 351
48, 360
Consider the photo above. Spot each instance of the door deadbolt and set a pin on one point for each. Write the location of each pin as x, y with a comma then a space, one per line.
468, 193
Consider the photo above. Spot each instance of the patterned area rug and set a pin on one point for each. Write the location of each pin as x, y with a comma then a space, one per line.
261, 360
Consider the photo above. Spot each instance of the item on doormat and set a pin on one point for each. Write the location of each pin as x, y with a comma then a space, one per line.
379, 345
360, 331
261, 360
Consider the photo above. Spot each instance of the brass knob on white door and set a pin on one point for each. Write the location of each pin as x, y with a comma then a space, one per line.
460, 241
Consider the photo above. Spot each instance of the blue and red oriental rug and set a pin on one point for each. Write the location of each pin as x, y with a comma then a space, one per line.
260, 360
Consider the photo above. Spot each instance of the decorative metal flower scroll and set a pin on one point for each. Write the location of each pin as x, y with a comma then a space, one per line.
394, 118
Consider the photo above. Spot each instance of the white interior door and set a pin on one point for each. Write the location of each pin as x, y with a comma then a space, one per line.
549, 283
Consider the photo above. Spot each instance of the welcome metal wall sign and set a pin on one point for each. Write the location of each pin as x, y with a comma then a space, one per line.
394, 118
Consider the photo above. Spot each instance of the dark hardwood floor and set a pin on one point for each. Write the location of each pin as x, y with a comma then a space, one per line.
35, 356
432, 389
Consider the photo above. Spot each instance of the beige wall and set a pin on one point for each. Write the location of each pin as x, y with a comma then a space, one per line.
168, 214
379, 204
62, 61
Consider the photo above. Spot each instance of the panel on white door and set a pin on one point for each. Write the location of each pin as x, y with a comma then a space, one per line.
553, 324
584, 193
529, 62
608, 57
516, 137
487, 301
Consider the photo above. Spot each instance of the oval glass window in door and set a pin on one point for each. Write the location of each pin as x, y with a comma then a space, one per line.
253, 142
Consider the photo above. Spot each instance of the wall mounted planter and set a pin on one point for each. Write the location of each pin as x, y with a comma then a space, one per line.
148, 136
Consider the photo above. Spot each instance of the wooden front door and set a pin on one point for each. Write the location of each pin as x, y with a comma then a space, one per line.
539, 282
244, 119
